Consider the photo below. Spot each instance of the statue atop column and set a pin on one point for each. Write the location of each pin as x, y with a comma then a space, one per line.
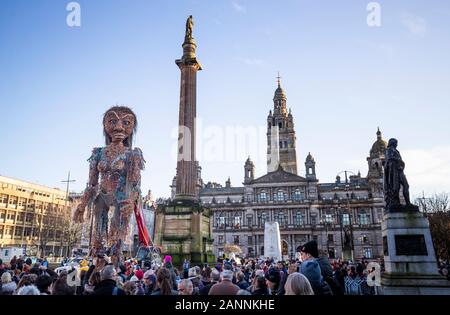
189, 27
395, 180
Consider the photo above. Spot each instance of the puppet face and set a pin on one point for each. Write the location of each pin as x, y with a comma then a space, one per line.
119, 125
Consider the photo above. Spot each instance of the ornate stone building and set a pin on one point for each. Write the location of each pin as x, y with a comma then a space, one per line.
344, 217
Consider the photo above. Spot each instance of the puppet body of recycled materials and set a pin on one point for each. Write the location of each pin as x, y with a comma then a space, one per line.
118, 167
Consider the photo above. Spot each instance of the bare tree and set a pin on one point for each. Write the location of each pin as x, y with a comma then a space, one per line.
71, 235
47, 230
437, 209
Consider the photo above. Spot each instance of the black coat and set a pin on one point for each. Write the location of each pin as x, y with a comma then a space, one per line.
106, 287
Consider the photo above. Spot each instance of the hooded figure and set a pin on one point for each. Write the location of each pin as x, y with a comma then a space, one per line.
311, 270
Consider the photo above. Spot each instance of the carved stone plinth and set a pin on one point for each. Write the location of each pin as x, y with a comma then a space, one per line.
409, 256
183, 231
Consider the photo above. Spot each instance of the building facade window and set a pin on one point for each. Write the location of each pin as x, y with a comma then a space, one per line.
297, 195
237, 222
363, 219
367, 252
236, 239
346, 219
221, 222
298, 218
3, 199
262, 219
250, 240
280, 195
328, 218
281, 219
220, 239
330, 238
262, 196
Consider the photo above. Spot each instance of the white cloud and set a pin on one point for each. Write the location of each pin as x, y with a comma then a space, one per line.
416, 25
428, 170
238, 7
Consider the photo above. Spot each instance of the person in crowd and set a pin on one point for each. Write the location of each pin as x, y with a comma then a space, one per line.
185, 287
129, 288
252, 286
206, 276
92, 283
44, 262
28, 290
27, 279
215, 278
28, 261
273, 279
43, 283
243, 292
169, 266
311, 269
8, 286
61, 286
327, 272
149, 282
241, 282
194, 276
13, 262
260, 286
226, 286
164, 283
298, 284
122, 273
108, 284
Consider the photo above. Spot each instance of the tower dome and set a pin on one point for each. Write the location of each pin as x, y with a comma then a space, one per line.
379, 147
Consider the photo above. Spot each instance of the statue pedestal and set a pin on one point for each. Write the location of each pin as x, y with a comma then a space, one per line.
183, 230
409, 256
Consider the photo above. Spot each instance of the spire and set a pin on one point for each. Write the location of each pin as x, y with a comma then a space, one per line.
378, 134
279, 92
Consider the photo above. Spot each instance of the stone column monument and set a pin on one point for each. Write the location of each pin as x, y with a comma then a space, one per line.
272, 241
409, 256
183, 226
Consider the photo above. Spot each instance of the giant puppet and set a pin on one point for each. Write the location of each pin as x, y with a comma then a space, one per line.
113, 189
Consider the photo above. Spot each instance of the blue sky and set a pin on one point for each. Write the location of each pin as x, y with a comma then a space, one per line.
342, 79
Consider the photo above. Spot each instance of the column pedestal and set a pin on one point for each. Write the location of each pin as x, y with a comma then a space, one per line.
409, 256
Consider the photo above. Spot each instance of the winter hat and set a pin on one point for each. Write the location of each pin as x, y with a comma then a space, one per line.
311, 270
310, 248
139, 274
273, 276
167, 259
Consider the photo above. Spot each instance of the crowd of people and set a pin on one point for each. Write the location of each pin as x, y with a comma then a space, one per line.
311, 274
